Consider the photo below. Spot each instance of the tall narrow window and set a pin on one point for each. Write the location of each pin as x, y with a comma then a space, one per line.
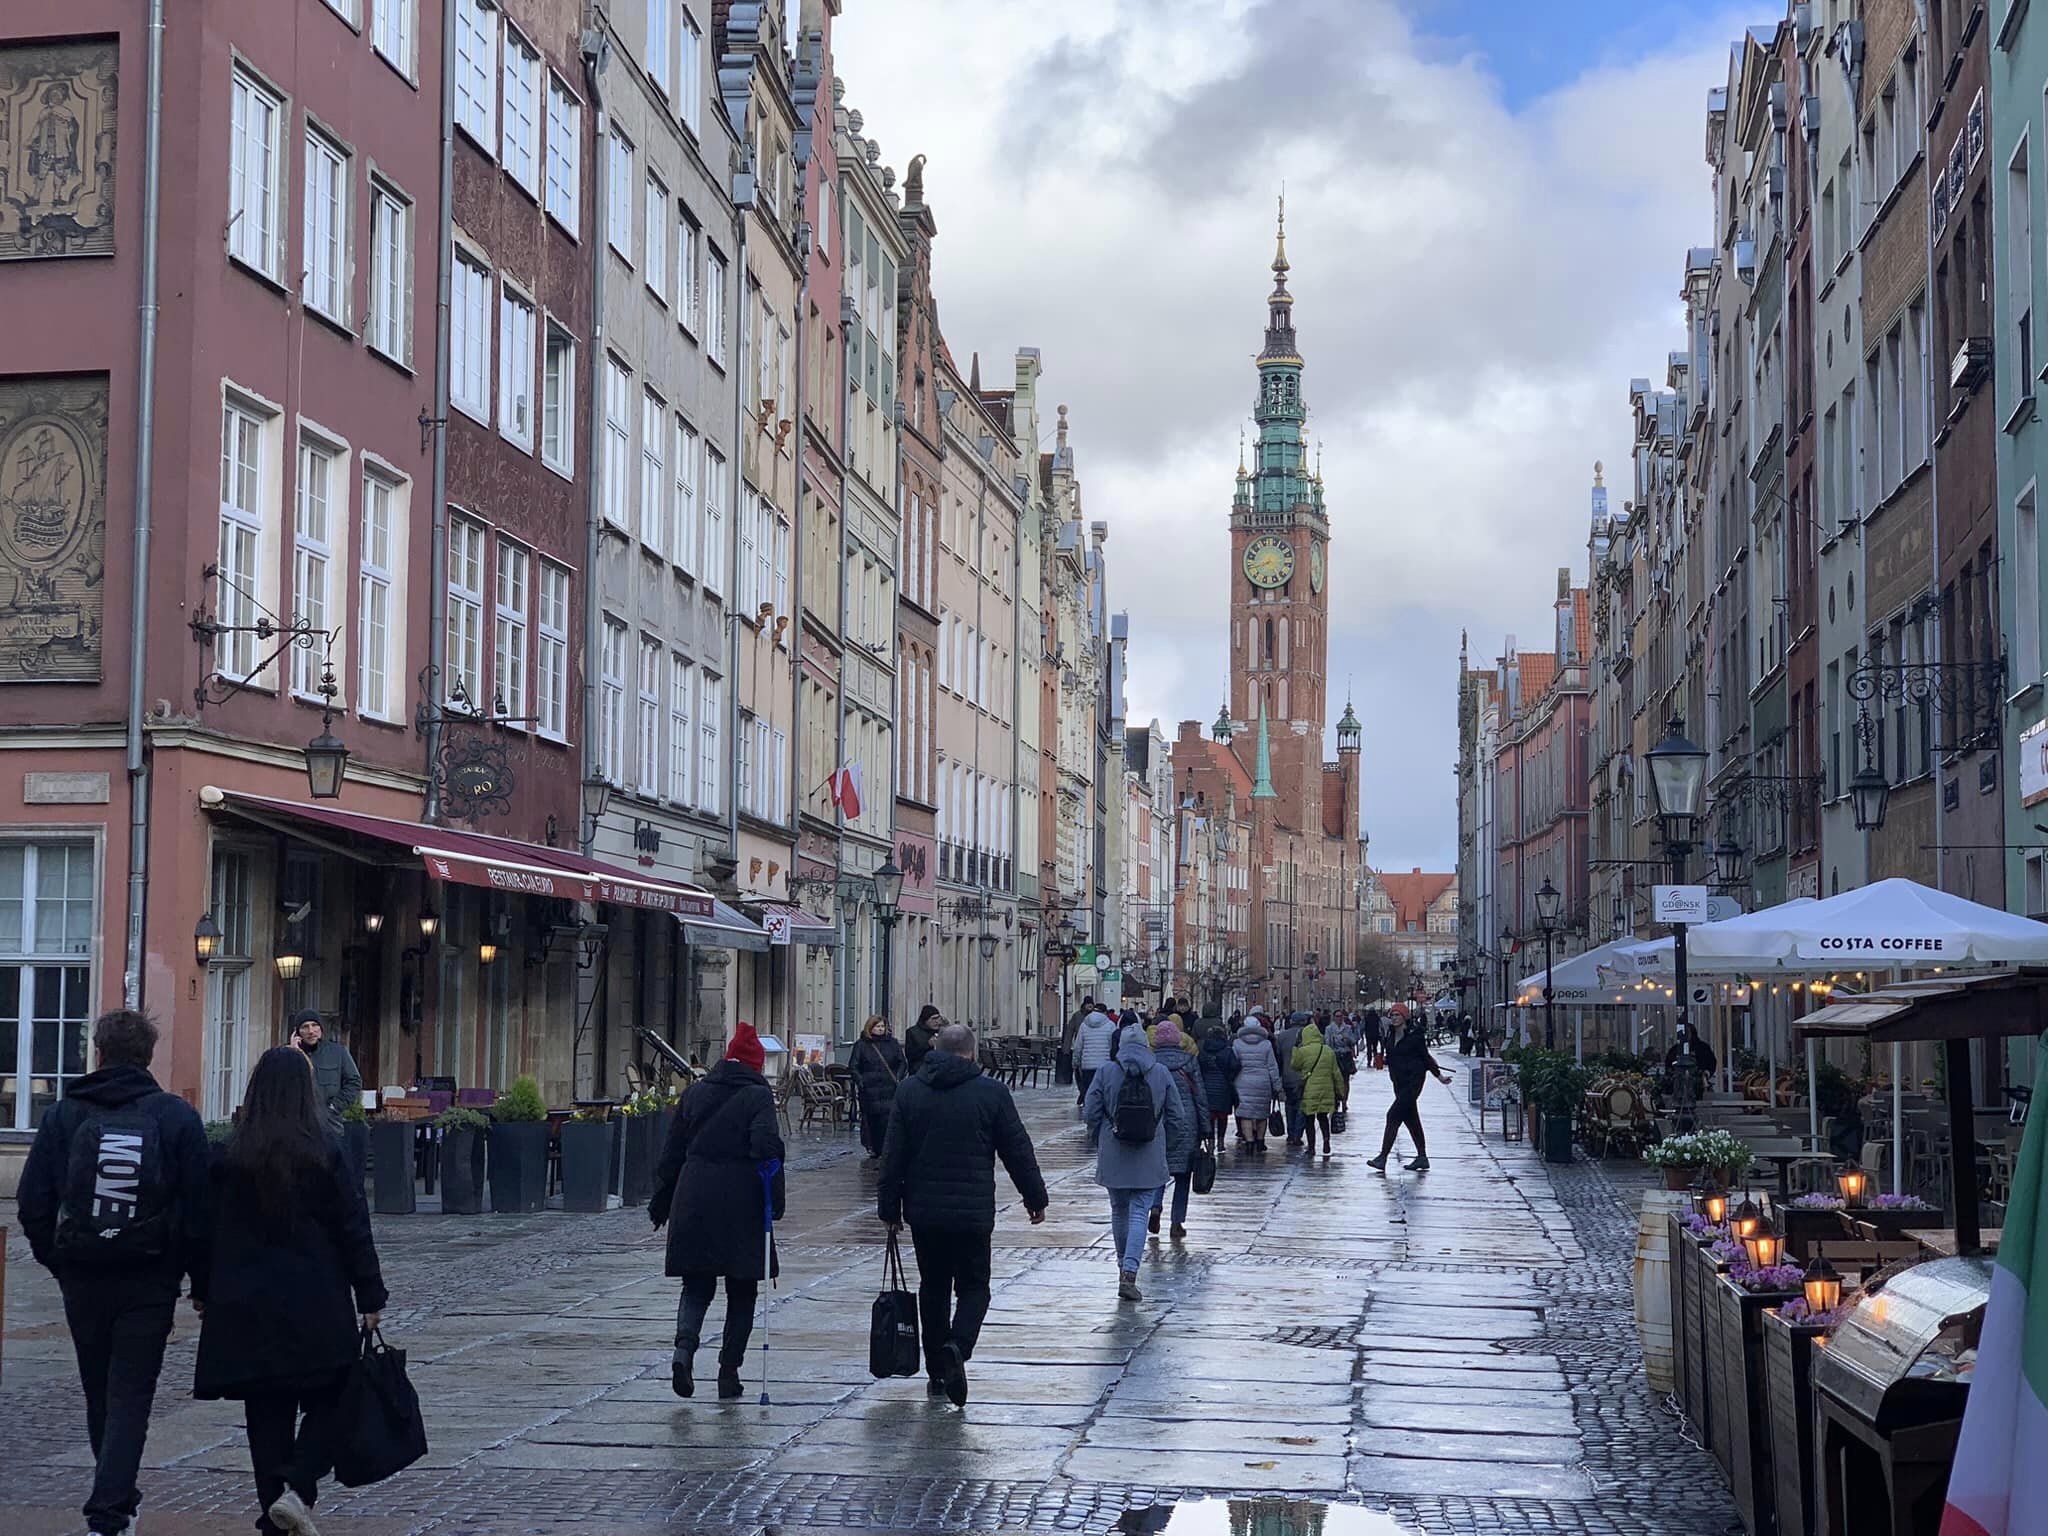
520, 151
710, 712
618, 384
469, 347
240, 557
551, 653
717, 492
649, 778
653, 476
660, 27
781, 559
659, 217
255, 175
312, 560
564, 154
689, 290
390, 274
690, 75
466, 610
687, 449
611, 739
391, 32
476, 71
2019, 266
2026, 592
682, 744
558, 402
379, 619
509, 621
749, 593
515, 369
714, 307
618, 206
324, 283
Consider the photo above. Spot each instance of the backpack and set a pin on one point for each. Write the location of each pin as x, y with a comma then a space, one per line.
116, 1203
1134, 1120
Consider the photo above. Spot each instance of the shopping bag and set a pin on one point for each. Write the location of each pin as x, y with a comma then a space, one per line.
1338, 1120
377, 1426
1276, 1123
892, 1333
1202, 1171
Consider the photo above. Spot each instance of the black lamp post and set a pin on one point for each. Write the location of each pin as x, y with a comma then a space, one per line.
1727, 861
326, 755
1678, 775
1549, 907
888, 904
1870, 792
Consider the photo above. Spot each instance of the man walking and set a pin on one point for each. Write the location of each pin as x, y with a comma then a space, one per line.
1133, 1115
938, 1172
113, 1199
1094, 1044
1284, 1042
336, 1082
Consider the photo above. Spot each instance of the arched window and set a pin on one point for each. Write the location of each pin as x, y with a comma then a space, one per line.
1270, 652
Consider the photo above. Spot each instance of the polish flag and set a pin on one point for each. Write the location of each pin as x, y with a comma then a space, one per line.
845, 785
1999, 1485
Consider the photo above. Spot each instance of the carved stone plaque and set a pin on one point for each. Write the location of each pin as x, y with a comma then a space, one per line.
57, 127
53, 527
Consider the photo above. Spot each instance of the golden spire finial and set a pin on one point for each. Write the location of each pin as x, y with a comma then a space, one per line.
1280, 242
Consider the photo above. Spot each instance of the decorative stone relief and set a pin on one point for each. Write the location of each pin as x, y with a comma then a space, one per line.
53, 527
57, 129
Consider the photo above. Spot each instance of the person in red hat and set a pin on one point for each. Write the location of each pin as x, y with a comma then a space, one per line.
708, 1190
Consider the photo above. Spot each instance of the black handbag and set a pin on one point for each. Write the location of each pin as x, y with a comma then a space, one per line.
1202, 1171
892, 1333
1276, 1123
377, 1425
1339, 1118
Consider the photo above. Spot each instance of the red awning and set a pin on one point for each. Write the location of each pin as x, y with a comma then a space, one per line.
494, 863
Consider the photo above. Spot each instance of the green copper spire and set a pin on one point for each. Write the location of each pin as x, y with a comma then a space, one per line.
1262, 775
1280, 478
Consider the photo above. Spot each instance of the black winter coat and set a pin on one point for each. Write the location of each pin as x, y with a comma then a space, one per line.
281, 1306
878, 1066
938, 1164
917, 1044
1220, 1067
181, 1142
1409, 1061
708, 1187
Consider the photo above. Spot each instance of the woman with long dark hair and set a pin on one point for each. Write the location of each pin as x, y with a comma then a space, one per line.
292, 1273
879, 1067
1408, 1064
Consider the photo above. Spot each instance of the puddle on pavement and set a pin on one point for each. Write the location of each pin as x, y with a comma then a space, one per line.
1257, 1517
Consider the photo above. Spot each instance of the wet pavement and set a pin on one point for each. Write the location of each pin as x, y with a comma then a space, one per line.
1452, 1351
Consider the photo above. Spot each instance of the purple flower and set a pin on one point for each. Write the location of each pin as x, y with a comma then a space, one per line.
1896, 1203
1797, 1311
1727, 1252
1818, 1201
1773, 1277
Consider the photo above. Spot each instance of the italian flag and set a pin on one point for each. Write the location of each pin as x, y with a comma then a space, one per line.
2000, 1483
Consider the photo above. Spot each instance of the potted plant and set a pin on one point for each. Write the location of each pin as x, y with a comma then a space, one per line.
644, 1123
1682, 1157
392, 1166
355, 1138
463, 1134
1557, 1089
587, 1158
519, 1149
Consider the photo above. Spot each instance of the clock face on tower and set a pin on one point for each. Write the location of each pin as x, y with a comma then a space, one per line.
1268, 561
1315, 569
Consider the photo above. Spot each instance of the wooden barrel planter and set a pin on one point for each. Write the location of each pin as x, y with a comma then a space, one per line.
1739, 1316
1788, 1390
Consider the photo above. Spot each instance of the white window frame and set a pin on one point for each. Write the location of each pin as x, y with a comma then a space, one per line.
658, 214
563, 154
653, 472
687, 448
618, 441
391, 33
710, 712
689, 280
467, 542
517, 319
511, 652
717, 483
714, 305
327, 233
469, 348
558, 401
618, 203
660, 27
647, 757
475, 107
380, 594
243, 552
390, 328
682, 742
322, 468
551, 652
519, 143
256, 174
611, 741
690, 75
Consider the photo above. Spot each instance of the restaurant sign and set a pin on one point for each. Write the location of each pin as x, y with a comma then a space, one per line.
563, 884
2034, 764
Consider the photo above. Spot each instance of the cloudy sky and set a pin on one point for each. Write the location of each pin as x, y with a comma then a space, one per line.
1489, 204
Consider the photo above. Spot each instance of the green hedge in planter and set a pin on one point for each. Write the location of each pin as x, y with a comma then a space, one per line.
518, 1157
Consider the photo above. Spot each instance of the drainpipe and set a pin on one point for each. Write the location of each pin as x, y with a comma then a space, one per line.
796, 543
596, 50
145, 444
437, 546
732, 563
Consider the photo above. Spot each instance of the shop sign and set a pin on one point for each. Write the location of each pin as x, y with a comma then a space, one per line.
2034, 764
563, 884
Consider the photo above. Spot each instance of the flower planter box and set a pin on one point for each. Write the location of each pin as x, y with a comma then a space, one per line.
1679, 1241
1804, 1228
586, 1164
391, 1183
1788, 1389
519, 1166
1887, 1226
462, 1171
1697, 1272
643, 1151
1739, 1315
1557, 1138
1679, 1178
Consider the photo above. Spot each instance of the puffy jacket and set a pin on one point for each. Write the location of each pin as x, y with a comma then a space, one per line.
917, 1044
1092, 1041
1322, 1080
181, 1140
939, 1162
1258, 1078
1220, 1067
1121, 1164
1186, 1078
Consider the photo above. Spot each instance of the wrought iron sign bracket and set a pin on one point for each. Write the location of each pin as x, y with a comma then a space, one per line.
218, 687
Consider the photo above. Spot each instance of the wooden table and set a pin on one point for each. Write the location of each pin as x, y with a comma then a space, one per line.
1941, 1241
1786, 1152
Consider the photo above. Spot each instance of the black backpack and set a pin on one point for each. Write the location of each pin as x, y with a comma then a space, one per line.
116, 1205
1135, 1120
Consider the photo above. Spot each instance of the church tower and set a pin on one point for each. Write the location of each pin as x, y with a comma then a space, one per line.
1279, 542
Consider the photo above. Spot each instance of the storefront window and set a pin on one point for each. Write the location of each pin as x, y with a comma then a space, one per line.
46, 927
228, 987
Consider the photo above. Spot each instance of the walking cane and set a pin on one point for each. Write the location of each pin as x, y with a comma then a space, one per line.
769, 1170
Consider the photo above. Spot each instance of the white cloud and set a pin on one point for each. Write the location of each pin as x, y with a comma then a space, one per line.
1475, 289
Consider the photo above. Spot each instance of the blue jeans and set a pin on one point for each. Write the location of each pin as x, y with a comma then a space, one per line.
1183, 1185
1130, 1210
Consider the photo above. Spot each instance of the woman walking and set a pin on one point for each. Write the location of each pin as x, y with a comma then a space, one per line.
878, 1066
1258, 1083
1220, 1067
1131, 1127
1322, 1084
293, 1272
1408, 1063
1185, 1076
709, 1189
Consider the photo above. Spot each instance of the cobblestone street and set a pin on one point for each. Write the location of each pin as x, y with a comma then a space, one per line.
1455, 1349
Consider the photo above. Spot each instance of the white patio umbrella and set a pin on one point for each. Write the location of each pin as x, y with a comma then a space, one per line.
1578, 979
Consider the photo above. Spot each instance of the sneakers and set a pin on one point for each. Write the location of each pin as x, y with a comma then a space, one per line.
1379, 1163
290, 1515
1179, 1231
1420, 1165
952, 1374
1127, 1287
729, 1382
